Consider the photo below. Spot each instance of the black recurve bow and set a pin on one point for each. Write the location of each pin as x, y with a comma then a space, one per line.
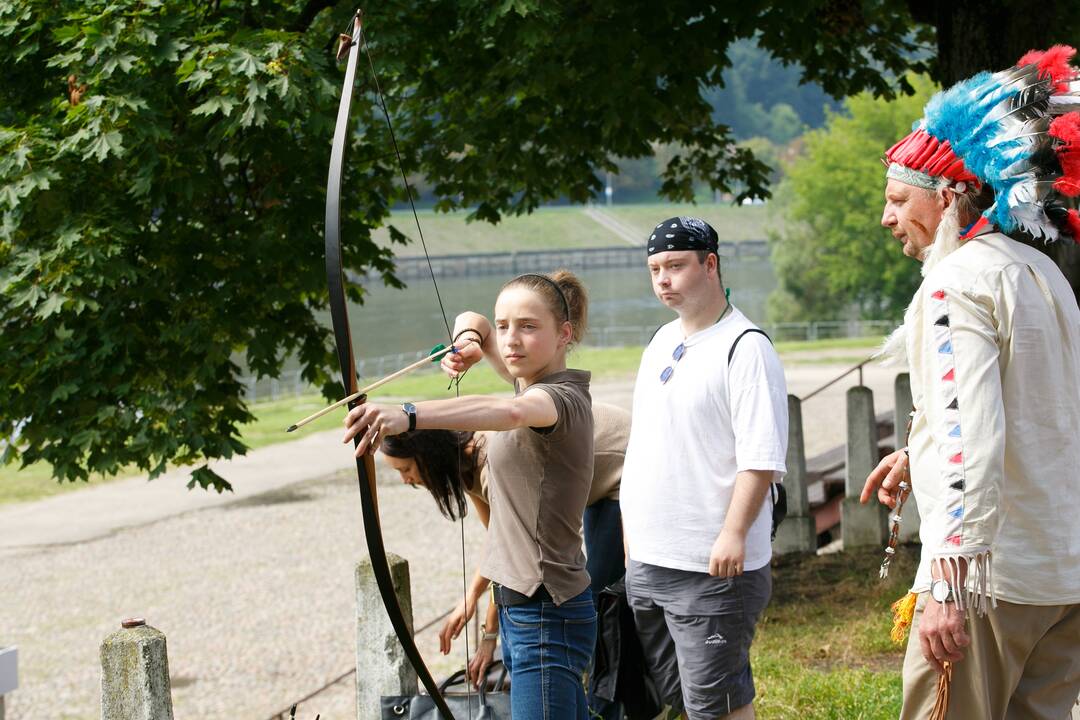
365, 467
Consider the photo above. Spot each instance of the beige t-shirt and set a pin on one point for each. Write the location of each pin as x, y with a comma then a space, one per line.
611, 432
538, 484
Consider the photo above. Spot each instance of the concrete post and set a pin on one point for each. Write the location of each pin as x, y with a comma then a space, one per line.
861, 525
9, 673
796, 533
909, 527
902, 412
381, 665
135, 674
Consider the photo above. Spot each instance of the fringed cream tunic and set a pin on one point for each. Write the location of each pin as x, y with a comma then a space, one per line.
993, 342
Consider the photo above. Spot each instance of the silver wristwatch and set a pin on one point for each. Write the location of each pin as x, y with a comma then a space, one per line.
942, 591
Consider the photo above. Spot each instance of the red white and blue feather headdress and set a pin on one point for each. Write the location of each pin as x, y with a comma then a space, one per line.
1017, 131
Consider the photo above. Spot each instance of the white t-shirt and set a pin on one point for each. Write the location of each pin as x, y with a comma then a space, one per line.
690, 436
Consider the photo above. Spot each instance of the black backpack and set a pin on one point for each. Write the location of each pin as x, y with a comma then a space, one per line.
777, 493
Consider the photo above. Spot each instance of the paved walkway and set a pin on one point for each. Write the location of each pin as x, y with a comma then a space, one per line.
254, 589
100, 510
626, 233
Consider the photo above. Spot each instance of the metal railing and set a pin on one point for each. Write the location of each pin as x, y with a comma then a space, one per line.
291, 383
840, 377
578, 259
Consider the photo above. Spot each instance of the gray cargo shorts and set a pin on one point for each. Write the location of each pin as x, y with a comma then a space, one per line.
696, 631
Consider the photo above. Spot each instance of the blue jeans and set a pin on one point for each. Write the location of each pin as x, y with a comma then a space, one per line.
602, 527
546, 648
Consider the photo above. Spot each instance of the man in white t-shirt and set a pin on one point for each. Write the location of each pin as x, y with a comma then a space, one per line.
708, 436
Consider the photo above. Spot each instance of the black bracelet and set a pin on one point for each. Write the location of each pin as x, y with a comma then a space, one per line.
480, 337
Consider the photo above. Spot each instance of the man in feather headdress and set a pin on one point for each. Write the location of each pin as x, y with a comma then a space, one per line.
992, 338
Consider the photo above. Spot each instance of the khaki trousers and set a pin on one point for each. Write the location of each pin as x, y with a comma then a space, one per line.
1023, 664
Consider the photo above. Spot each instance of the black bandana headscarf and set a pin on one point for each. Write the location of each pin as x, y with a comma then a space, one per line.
683, 233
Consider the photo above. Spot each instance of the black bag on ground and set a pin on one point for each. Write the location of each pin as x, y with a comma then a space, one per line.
490, 702
777, 493
619, 670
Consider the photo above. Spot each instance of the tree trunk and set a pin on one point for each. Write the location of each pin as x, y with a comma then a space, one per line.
992, 35
989, 35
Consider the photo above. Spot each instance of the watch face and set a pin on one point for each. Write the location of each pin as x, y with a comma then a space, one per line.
939, 590
409, 407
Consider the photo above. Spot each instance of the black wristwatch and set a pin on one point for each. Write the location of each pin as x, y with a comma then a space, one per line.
410, 410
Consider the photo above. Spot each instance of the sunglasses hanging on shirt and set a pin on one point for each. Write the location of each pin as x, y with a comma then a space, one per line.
676, 356
670, 369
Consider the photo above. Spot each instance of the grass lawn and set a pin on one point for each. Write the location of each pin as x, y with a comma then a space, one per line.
607, 364
551, 228
732, 223
546, 229
792, 347
822, 650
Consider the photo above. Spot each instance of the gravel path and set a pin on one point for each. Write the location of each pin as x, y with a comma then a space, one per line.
256, 600
256, 595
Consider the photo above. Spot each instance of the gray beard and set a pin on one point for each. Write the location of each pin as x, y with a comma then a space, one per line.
946, 241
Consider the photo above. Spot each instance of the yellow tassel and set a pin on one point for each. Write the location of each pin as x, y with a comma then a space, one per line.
903, 613
941, 702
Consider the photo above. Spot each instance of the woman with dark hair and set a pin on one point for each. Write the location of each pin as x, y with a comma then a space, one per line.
446, 462
450, 465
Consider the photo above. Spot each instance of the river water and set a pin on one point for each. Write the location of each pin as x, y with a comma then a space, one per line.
395, 321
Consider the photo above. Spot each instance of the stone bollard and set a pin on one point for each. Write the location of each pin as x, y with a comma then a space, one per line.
909, 527
797, 532
381, 665
9, 673
135, 674
861, 525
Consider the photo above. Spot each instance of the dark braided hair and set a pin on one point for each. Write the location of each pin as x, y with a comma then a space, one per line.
442, 463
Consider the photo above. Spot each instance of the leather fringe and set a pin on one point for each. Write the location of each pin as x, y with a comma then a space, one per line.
977, 594
941, 702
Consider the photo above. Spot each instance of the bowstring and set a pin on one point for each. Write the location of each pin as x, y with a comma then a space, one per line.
449, 333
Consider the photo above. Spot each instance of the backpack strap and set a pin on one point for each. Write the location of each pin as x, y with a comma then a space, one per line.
744, 333
777, 494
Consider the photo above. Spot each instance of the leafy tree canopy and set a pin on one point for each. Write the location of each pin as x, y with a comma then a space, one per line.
833, 257
162, 169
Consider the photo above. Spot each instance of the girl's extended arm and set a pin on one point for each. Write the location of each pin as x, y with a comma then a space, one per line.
533, 408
